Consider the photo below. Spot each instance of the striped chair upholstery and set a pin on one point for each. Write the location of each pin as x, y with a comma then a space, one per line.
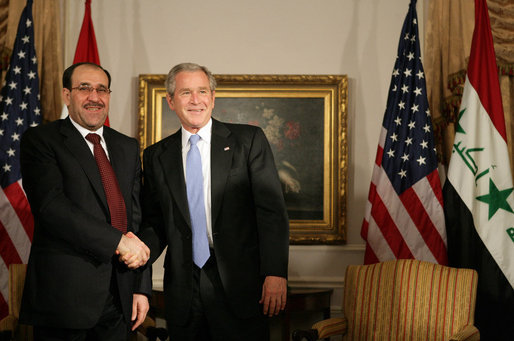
405, 300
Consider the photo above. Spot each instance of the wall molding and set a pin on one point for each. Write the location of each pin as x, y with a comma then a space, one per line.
330, 248
316, 281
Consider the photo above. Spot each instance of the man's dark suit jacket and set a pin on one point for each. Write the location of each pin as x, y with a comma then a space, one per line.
250, 227
71, 259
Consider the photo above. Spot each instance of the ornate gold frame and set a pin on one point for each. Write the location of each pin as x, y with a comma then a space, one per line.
333, 89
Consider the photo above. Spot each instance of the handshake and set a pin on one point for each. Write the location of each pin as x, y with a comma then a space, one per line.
132, 251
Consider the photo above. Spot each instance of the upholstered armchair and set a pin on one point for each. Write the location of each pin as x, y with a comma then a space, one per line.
403, 300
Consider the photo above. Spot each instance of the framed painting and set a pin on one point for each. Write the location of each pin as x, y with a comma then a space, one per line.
303, 117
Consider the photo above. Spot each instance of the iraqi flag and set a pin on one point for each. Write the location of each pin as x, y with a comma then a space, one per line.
478, 193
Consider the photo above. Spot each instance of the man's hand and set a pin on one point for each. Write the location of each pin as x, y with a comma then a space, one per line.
274, 295
132, 251
140, 307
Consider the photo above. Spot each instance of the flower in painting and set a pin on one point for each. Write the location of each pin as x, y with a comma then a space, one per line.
292, 130
273, 128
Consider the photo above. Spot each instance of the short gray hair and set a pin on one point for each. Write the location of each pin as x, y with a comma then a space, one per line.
170, 82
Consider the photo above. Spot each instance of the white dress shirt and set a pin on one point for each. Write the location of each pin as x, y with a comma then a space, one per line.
83, 131
204, 146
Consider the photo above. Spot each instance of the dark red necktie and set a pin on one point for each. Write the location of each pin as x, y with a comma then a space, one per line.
112, 189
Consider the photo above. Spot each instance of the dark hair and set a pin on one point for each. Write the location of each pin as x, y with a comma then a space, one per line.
66, 76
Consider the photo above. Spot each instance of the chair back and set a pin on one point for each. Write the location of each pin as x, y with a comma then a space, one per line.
408, 300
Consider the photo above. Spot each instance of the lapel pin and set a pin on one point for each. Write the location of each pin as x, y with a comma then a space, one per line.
226, 148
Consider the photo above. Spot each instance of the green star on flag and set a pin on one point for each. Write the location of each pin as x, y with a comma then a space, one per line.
496, 199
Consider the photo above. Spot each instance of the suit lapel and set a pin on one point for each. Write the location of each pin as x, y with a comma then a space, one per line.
79, 148
222, 150
173, 172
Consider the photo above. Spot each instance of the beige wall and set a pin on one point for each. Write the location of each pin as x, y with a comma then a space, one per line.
354, 37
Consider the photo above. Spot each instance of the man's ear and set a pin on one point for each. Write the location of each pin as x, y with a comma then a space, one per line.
66, 96
170, 101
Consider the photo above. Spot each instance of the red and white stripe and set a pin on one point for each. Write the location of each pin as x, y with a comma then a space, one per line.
16, 232
410, 225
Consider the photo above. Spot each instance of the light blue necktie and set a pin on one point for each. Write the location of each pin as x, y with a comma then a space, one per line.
194, 184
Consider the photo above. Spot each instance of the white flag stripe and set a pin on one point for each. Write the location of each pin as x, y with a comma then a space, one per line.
4, 280
401, 217
495, 152
14, 228
377, 241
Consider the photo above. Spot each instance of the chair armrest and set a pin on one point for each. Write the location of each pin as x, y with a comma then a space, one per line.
469, 333
322, 329
331, 327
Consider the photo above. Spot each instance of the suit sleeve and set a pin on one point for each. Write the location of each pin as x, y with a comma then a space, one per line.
143, 284
152, 228
271, 212
59, 217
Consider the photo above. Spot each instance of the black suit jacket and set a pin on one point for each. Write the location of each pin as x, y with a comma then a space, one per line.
249, 220
71, 260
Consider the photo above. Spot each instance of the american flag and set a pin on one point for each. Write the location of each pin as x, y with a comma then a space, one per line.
404, 215
19, 109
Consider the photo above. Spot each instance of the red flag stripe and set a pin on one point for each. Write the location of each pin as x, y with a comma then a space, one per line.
432, 204
435, 183
15, 232
483, 70
400, 219
422, 213
419, 215
401, 231
87, 50
369, 255
8, 251
16, 196
384, 240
